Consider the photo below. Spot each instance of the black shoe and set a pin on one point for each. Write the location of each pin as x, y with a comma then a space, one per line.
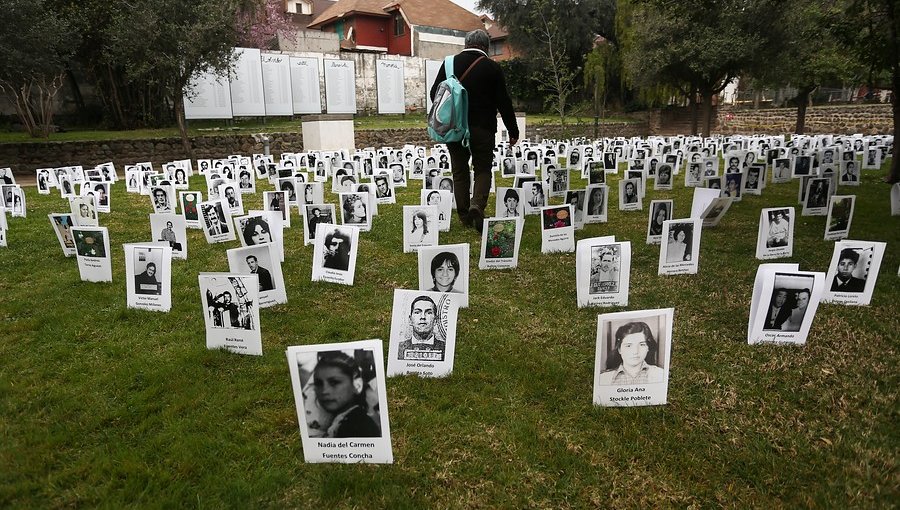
477, 219
465, 219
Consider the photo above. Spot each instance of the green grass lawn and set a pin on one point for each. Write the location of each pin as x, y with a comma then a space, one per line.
105, 406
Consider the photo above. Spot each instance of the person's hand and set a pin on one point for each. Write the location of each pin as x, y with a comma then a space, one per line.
513, 141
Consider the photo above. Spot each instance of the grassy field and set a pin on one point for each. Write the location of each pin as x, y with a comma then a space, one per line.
105, 406
247, 125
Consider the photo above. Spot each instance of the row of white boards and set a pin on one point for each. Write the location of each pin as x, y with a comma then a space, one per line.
269, 84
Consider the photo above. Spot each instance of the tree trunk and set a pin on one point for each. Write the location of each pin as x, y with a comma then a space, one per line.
894, 24
695, 110
802, 102
182, 128
707, 112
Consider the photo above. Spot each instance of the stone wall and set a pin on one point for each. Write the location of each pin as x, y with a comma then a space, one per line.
24, 158
844, 119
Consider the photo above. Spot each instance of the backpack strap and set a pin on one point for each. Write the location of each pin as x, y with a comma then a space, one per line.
448, 66
477, 60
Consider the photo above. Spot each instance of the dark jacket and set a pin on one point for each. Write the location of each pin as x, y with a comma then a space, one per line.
486, 89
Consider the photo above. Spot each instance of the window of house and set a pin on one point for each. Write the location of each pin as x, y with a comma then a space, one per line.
398, 24
496, 48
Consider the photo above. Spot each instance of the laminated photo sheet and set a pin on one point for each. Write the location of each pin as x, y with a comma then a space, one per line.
261, 227
680, 247
420, 227
170, 228
754, 180
276, 201
289, 186
216, 222
334, 253
715, 211
557, 229
853, 272
314, 214
660, 211
603, 271
641, 176
4, 230
342, 408
733, 184
162, 198
62, 224
92, 252
776, 233
633, 357
423, 333
784, 304
366, 188
815, 201
509, 203
355, 209
84, 211
629, 198
849, 173
576, 198
311, 193
384, 188
443, 200
100, 190
263, 261
500, 242
558, 182
597, 203
445, 268
190, 200
840, 216
533, 197
231, 312
231, 196
148, 276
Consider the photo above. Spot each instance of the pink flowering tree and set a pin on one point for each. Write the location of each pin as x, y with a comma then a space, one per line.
260, 27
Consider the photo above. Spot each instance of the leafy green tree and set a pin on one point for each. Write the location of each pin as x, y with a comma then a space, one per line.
697, 47
34, 49
600, 66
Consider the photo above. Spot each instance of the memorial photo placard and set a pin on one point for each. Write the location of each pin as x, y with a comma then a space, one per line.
441, 199
148, 276
62, 225
784, 303
629, 195
420, 227
776, 233
509, 203
500, 240
276, 201
216, 222
342, 409
263, 261
445, 268
334, 254
423, 333
815, 200
84, 210
92, 252
840, 215
231, 312
557, 229
680, 247
170, 229
632, 358
189, 201
853, 272
603, 269
715, 211
660, 211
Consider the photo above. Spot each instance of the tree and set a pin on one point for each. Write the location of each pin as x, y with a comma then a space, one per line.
870, 30
164, 43
599, 66
260, 26
34, 49
697, 47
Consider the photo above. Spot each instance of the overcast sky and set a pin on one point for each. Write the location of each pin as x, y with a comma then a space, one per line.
468, 4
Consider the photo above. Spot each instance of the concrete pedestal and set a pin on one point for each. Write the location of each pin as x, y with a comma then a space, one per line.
328, 132
503, 135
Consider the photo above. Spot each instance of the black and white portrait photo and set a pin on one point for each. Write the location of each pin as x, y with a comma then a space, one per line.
789, 302
334, 255
162, 198
231, 196
62, 224
263, 261
148, 270
355, 209
443, 201
170, 229
277, 201
597, 200
840, 215
509, 203
633, 350
605, 269
629, 199
313, 215
680, 246
339, 392
663, 177
818, 191
776, 233
84, 210
852, 272
660, 211
423, 333
216, 222
231, 312
445, 268
420, 227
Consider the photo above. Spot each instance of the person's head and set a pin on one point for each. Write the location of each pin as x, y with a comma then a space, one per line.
226, 297
596, 196
803, 298
382, 185
634, 345
446, 183
444, 270
338, 382
354, 207
85, 210
398, 171
337, 241
159, 195
679, 233
629, 188
662, 214
478, 39
101, 189
851, 167
169, 225
511, 199
731, 184
434, 198
665, 172
420, 220
287, 186
252, 263
347, 181
179, 175
733, 161
151, 269
308, 193
847, 263
245, 178
606, 261
316, 212
780, 297
422, 312
229, 193
256, 231
709, 165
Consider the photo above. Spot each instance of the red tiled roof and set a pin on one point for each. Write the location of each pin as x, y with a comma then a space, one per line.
432, 13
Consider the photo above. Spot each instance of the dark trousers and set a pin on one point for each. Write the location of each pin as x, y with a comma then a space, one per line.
481, 148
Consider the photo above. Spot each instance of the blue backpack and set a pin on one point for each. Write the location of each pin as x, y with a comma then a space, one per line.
448, 119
